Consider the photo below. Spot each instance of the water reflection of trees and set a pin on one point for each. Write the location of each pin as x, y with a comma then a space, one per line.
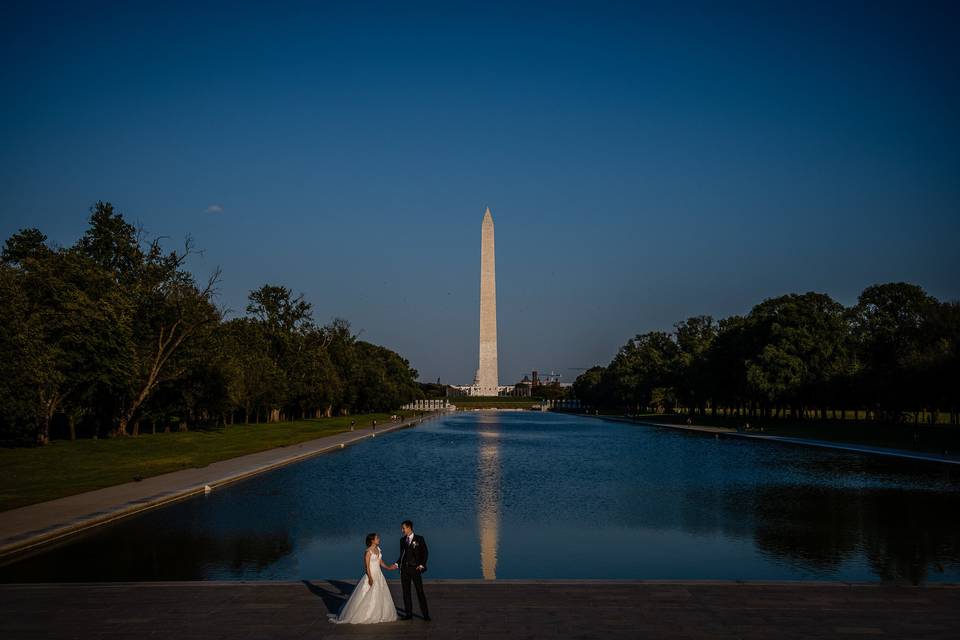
180, 556
902, 534
825, 515
813, 510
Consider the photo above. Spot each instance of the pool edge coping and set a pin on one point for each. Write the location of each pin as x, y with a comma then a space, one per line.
837, 584
902, 454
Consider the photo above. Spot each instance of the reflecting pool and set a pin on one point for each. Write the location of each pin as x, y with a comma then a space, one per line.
539, 495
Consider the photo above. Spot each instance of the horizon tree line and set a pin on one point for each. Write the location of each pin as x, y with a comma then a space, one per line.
113, 336
894, 357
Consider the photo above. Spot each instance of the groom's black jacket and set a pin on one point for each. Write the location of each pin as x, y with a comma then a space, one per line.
413, 554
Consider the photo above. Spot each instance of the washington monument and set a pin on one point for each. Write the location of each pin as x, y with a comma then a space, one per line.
486, 382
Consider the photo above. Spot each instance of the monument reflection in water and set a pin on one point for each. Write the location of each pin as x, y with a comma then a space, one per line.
488, 502
504, 495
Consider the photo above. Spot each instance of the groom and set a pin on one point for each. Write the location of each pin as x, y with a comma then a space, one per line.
412, 564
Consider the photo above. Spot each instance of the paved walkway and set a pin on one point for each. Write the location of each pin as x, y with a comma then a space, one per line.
858, 448
679, 427
34, 524
476, 610
806, 442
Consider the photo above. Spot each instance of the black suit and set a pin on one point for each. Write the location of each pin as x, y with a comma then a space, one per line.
413, 555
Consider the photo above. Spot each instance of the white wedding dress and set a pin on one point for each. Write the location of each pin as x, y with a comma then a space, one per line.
369, 604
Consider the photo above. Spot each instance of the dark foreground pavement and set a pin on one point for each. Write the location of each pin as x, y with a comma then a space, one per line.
504, 609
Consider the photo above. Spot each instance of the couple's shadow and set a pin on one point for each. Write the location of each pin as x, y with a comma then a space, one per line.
333, 601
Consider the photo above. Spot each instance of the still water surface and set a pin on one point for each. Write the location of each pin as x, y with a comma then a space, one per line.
530, 495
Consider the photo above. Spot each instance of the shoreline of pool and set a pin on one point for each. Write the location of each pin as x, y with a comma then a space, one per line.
724, 432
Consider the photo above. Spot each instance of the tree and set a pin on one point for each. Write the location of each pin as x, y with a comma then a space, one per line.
314, 384
73, 329
888, 325
800, 344
932, 366
590, 387
897, 351
26, 360
24, 245
693, 337
253, 378
646, 363
115, 330
383, 379
160, 305
279, 311
341, 344
725, 364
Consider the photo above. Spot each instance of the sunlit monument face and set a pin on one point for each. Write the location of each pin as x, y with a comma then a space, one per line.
487, 382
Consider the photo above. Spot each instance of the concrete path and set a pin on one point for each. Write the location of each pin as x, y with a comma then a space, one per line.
858, 448
667, 425
806, 442
475, 610
35, 524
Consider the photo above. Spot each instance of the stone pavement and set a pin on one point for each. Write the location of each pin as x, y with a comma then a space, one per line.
478, 610
43, 522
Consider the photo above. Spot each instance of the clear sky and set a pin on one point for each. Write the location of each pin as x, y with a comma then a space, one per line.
643, 162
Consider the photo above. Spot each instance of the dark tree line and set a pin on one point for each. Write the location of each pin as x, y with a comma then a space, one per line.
894, 356
113, 335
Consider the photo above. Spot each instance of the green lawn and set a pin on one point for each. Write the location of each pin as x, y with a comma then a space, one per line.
63, 468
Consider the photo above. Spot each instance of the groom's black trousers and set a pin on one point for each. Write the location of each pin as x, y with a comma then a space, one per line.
408, 575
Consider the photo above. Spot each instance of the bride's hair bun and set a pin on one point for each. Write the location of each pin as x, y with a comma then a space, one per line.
370, 537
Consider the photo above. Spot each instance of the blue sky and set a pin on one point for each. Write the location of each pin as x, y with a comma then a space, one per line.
643, 162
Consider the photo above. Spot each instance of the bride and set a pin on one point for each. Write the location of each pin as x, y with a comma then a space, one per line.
370, 601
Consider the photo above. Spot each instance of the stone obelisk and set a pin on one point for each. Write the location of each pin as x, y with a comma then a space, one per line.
487, 373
